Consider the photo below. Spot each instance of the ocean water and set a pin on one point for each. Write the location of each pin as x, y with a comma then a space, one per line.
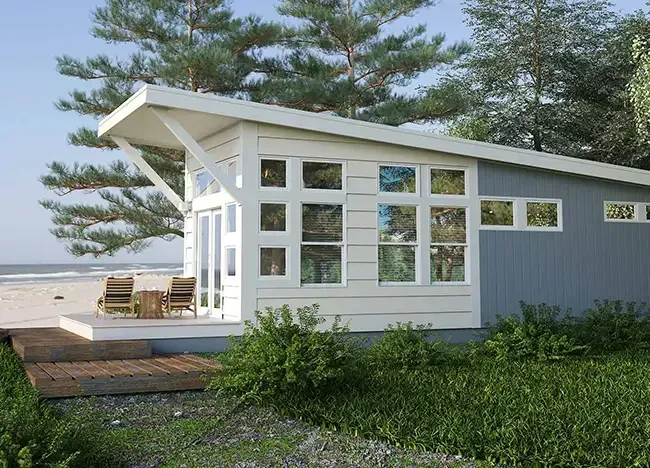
11, 274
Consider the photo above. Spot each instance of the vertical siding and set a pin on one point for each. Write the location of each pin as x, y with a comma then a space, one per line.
590, 259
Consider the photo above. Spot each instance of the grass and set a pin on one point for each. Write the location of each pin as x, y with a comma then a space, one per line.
576, 412
197, 429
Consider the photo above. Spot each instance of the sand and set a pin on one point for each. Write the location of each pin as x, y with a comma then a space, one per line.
33, 304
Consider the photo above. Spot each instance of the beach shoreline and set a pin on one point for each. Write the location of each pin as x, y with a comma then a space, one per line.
25, 305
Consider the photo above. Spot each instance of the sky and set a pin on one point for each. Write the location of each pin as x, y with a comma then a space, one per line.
33, 132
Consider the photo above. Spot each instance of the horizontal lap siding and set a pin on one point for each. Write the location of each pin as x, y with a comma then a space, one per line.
591, 259
367, 306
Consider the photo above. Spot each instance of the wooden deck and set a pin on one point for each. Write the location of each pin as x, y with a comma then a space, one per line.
61, 364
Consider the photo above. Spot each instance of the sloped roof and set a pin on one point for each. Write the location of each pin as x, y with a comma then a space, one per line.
203, 115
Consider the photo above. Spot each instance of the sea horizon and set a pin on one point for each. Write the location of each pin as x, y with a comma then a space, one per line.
21, 273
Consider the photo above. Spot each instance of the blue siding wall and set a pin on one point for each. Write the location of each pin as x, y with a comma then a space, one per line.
590, 259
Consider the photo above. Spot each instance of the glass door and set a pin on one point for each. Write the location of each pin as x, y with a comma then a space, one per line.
208, 261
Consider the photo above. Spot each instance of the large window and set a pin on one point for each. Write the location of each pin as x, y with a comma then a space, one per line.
398, 241
448, 244
397, 179
322, 175
521, 214
321, 247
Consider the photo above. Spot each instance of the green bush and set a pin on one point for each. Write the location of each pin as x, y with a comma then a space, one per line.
613, 326
539, 334
32, 435
279, 356
406, 347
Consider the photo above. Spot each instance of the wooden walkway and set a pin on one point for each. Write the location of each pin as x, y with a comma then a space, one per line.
61, 364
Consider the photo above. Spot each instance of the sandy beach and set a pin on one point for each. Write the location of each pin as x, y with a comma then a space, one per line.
33, 304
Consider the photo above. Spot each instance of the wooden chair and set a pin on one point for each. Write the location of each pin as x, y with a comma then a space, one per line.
180, 295
118, 295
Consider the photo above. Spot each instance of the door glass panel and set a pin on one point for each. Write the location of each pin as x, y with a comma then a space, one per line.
204, 260
216, 268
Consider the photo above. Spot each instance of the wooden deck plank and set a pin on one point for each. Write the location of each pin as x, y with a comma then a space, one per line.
94, 369
148, 366
54, 371
116, 369
131, 367
175, 363
36, 375
158, 362
191, 358
74, 370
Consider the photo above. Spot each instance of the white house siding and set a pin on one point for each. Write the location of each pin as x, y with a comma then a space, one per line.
361, 300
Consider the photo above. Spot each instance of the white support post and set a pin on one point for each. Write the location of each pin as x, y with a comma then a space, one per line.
199, 153
138, 160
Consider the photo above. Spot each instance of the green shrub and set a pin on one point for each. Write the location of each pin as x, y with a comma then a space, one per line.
613, 326
32, 435
406, 347
538, 334
279, 356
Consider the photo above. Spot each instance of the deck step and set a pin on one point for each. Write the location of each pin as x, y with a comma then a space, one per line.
120, 376
58, 345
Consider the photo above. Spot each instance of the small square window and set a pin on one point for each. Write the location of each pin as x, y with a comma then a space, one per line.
396, 263
273, 261
647, 212
398, 223
231, 261
397, 179
542, 214
447, 181
322, 175
273, 217
497, 213
273, 173
231, 217
448, 225
620, 211
322, 223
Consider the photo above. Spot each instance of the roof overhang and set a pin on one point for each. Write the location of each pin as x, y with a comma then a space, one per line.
203, 115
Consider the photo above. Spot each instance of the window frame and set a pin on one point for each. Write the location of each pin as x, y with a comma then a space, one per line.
415, 244
466, 245
225, 210
342, 243
287, 262
498, 227
287, 218
638, 208
343, 188
287, 161
524, 217
465, 171
225, 250
399, 194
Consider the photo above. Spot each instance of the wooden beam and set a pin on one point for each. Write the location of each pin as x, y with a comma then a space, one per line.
138, 160
184, 137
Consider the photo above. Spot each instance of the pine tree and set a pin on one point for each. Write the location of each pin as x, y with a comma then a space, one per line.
342, 61
196, 45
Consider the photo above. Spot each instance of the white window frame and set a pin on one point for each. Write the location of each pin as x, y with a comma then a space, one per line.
342, 244
638, 208
227, 218
343, 188
524, 214
515, 214
466, 245
287, 218
287, 161
287, 260
415, 244
465, 171
399, 194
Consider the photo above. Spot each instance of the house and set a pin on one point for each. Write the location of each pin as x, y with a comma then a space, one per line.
379, 224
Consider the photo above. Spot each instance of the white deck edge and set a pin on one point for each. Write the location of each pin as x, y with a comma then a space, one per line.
82, 325
170, 98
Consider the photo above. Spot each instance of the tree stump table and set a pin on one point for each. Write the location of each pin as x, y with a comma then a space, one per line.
151, 305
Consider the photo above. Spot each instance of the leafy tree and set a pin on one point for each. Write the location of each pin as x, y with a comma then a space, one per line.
639, 86
341, 60
196, 45
551, 75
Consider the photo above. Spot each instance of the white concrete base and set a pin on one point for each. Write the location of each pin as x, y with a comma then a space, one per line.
112, 327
